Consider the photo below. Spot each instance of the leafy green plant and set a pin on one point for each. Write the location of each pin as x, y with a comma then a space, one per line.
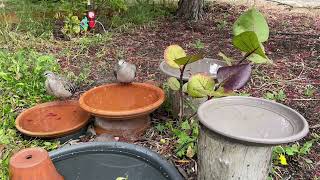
186, 134
71, 25
280, 153
248, 37
276, 96
198, 44
21, 86
309, 90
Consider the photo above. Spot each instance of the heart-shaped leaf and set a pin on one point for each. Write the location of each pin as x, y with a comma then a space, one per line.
252, 20
189, 59
199, 84
173, 83
248, 42
234, 77
172, 53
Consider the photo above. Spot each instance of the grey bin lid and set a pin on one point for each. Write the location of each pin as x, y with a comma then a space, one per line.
206, 65
253, 120
109, 160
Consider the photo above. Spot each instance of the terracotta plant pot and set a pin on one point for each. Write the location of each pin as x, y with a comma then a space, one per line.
33, 163
122, 110
52, 119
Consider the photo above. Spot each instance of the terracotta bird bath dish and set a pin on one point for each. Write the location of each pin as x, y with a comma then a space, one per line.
52, 120
122, 109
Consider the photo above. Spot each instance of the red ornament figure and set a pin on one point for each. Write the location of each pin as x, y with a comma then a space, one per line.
92, 19
91, 16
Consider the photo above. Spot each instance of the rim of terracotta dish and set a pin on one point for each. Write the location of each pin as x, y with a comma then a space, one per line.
54, 133
125, 113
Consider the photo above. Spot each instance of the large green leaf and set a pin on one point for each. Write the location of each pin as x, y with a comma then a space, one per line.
248, 42
173, 83
189, 59
199, 84
252, 20
172, 53
258, 59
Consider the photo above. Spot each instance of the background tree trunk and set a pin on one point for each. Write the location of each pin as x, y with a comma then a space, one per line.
221, 158
190, 9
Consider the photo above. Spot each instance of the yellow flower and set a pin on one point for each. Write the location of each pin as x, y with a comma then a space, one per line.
283, 159
162, 141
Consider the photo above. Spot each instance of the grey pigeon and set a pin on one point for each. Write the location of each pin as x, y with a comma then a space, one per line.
58, 86
125, 72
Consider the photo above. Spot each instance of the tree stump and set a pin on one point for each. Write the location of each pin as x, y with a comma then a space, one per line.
190, 9
221, 158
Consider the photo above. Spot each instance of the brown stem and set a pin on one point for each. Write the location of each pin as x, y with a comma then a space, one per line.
181, 110
181, 94
247, 55
192, 115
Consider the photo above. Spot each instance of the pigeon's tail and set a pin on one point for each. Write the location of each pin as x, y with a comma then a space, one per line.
72, 88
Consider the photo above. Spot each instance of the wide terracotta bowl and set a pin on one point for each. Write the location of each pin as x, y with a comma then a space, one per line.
52, 119
122, 101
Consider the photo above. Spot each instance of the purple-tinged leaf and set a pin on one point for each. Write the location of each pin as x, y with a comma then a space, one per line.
234, 77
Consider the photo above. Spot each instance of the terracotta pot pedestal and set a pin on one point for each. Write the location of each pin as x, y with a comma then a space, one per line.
122, 110
124, 128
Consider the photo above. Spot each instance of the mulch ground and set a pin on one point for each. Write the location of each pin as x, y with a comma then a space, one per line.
294, 47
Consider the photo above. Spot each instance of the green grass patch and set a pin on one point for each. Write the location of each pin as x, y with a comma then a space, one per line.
22, 86
37, 17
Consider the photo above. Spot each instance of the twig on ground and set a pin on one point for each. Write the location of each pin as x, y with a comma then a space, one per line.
305, 99
315, 126
295, 34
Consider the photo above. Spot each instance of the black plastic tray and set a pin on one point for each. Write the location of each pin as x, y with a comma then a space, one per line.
109, 160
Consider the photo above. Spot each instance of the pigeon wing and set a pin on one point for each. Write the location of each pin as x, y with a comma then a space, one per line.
67, 84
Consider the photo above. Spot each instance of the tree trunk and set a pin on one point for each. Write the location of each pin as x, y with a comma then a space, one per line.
220, 158
190, 9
